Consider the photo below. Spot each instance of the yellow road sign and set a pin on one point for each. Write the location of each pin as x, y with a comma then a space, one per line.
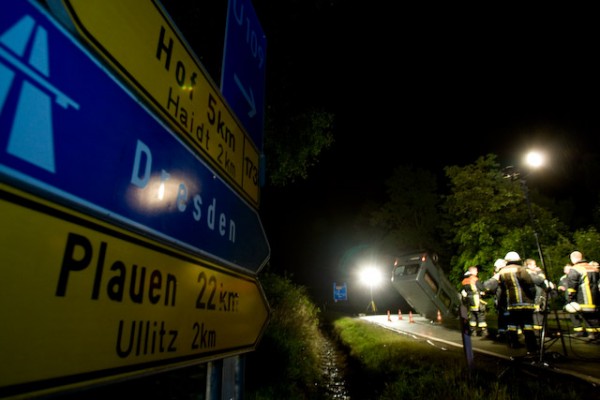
141, 42
83, 301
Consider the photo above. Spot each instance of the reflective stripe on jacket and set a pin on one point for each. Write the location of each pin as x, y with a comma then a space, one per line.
582, 285
518, 285
472, 286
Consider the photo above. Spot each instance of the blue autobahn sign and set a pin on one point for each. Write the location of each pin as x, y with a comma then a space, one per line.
72, 132
244, 65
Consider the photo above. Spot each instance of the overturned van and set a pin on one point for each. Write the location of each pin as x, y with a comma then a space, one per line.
422, 283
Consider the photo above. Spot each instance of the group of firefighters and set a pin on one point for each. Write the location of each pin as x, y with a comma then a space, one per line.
521, 290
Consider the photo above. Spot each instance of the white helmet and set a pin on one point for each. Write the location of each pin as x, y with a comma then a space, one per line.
499, 264
512, 256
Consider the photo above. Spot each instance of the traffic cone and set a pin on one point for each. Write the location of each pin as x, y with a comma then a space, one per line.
439, 317
399, 315
410, 318
389, 318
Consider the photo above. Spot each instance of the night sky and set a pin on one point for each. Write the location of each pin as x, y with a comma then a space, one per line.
427, 86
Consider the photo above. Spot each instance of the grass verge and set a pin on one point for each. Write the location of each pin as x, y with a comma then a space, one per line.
388, 365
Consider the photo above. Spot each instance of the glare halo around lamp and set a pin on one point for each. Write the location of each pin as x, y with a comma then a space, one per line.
371, 276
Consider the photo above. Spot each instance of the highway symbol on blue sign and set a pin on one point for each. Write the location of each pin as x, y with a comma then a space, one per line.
244, 65
71, 131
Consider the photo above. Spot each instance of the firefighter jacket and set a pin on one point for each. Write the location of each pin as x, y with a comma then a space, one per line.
500, 301
540, 292
582, 285
562, 284
472, 289
518, 284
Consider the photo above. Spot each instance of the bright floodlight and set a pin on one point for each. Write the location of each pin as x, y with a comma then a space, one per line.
370, 276
534, 159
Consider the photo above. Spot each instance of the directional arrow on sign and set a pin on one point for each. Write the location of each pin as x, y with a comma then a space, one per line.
248, 95
244, 67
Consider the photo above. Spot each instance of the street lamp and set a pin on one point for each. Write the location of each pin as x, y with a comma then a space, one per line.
371, 276
535, 159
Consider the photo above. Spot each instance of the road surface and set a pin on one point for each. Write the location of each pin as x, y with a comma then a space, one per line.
562, 352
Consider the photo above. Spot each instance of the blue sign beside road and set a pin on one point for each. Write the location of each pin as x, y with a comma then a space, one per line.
244, 67
340, 292
72, 132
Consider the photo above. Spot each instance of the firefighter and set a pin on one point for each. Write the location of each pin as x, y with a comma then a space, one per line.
575, 318
541, 298
472, 293
518, 283
582, 294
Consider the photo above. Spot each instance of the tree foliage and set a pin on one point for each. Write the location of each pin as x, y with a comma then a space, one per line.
299, 123
409, 218
482, 207
491, 216
588, 242
291, 348
482, 215
293, 144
